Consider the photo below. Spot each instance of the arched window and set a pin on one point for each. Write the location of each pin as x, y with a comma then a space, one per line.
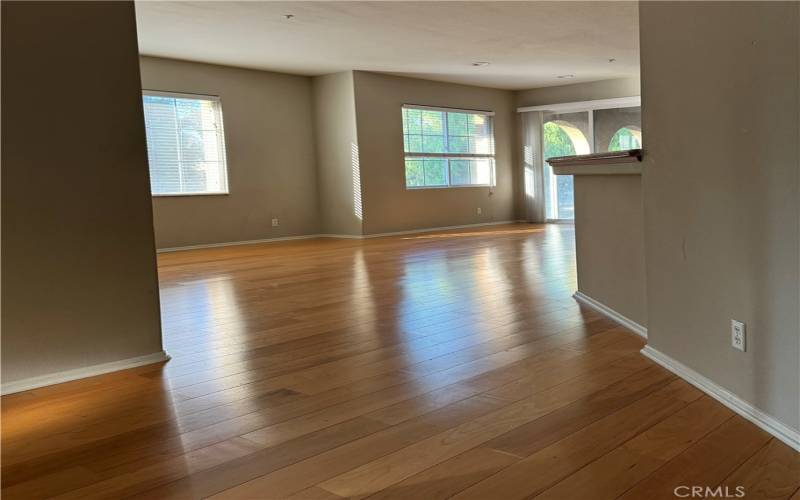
561, 138
629, 137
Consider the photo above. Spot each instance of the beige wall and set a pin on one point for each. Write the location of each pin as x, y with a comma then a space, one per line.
606, 89
79, 281
269, 141
720, 101
388, 205
609, 242
352, 180
338, 172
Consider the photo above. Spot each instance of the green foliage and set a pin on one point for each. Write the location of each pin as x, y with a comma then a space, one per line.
432, 123
415, 175
556, 141
412, 121
459, 172
458, 144
435, 172
433, 144
624, 139
412, 143
458, 123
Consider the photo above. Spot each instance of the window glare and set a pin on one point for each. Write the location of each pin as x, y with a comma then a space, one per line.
185, 145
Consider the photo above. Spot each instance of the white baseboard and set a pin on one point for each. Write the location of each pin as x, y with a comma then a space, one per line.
78, 373
441, 228
342, 236
329, 235
426, 230
611, 314
781, 431
236, 243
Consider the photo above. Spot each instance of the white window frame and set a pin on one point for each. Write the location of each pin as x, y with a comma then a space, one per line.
448, 156
220, 138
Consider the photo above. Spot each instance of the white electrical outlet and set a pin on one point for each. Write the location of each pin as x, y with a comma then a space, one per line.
738, 335
275, 222
480, 210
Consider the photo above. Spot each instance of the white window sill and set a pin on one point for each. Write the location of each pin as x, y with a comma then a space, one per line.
180, 195
419, 188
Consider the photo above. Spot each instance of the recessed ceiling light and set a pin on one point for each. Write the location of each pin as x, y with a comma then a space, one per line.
565, 76
288, 16
480, 63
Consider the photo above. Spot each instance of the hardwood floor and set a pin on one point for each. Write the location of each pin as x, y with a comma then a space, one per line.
425, 366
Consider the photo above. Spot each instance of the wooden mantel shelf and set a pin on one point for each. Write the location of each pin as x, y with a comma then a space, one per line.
611, 163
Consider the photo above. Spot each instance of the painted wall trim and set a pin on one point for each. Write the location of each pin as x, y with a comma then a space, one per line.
441, 228
235, 243
79, 373
778, 429
611, 314
341, 236
331, 235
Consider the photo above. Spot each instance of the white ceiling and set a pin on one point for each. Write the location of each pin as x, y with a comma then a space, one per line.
529, 44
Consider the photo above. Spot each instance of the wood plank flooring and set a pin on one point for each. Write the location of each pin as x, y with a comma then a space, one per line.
435, 365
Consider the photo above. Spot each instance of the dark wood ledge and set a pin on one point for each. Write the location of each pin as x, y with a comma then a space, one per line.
611, 163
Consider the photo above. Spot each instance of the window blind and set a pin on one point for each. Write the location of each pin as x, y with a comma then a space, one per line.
185, 144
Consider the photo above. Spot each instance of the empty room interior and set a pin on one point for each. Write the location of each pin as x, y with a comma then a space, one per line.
410, 250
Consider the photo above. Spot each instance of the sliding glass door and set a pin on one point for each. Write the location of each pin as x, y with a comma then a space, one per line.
563, 134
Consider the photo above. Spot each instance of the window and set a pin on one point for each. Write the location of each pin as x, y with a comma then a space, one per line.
576, 129
185, 144
447, 148
629, 137
563, 135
